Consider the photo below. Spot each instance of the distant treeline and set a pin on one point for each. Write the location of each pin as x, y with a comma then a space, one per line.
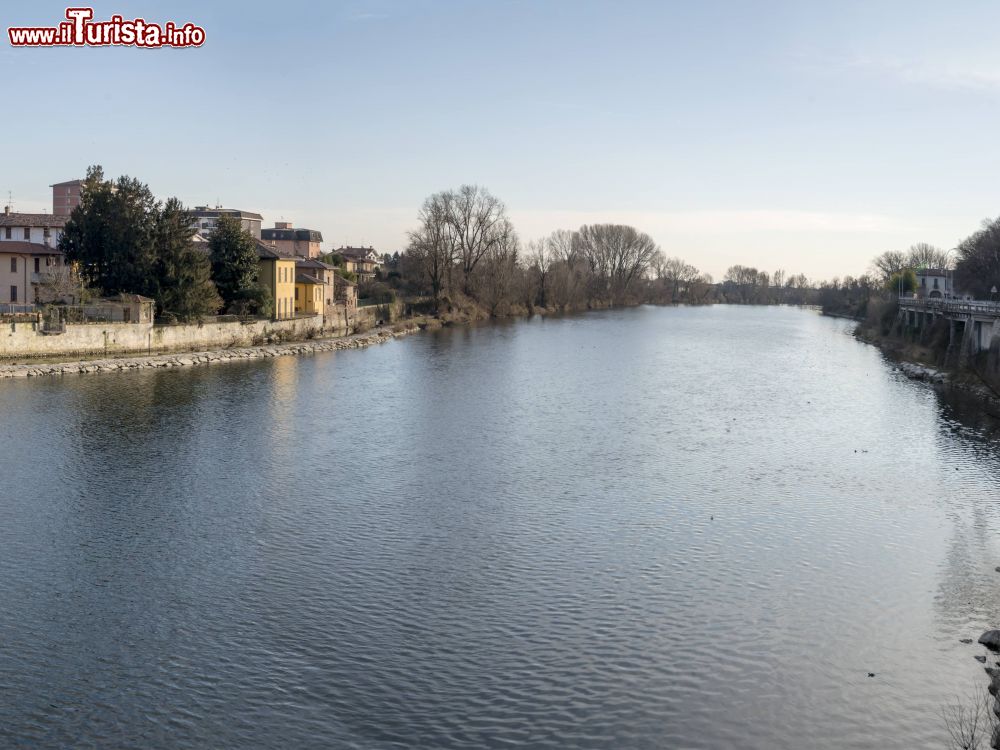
465, 250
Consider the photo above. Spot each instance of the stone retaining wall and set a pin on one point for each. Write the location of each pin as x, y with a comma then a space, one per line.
23, 340
188, 359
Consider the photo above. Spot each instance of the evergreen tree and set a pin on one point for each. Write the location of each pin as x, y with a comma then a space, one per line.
109, 236
183, 271
235, 266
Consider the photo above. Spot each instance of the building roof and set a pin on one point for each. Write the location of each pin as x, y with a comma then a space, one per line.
932, 272
32, 220
292, 235
267, 253
355, 252
15, 247
123, 297
313, 263
339, 280
301, 278
68, 182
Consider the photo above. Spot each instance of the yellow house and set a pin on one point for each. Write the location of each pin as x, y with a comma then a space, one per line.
277, 273
308, 295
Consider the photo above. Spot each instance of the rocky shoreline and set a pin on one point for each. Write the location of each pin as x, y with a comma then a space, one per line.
188, 359
916, 371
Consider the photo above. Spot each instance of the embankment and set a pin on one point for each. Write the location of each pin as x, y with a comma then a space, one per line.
189, 359
22, 340
926, 355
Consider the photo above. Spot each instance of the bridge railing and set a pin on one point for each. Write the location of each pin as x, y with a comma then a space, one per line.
969, 307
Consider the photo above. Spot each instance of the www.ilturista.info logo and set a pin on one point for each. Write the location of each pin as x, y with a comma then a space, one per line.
78, 30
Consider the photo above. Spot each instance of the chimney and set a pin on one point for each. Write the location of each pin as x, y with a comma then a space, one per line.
282, 225
6, 209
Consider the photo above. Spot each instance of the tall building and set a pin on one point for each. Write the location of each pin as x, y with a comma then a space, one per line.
205, 219
65, 197
287, 240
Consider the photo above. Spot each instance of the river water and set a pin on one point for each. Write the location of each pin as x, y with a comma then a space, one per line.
648, 528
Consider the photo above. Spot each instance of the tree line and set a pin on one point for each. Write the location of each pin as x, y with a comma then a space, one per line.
465, 246
464, 251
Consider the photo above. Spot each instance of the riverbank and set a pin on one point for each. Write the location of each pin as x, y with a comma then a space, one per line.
214, 356
922, 362
459, 312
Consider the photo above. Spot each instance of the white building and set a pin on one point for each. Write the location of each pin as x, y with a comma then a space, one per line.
937, 283
204, 219
41, 229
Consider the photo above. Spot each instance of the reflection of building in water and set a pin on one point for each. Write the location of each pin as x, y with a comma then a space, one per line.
284, 378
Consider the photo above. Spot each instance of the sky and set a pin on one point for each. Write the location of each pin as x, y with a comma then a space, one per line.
807, 136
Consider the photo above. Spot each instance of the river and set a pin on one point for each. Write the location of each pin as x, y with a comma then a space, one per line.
645, 528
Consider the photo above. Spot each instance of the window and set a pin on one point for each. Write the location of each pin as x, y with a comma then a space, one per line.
935, 283
13, 294
6, 233
296, 292
13, 265
27, 233
38, 263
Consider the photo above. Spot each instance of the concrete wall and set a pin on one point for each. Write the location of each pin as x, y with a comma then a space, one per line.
23, 340
19, 340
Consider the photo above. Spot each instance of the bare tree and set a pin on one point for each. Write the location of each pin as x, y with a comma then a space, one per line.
888, 264
432, 245
778, 282
61, 283
978, 267
500, 266
478, 221
744, 281
679, 275
617, 254
658, 265
971, 723
923, 255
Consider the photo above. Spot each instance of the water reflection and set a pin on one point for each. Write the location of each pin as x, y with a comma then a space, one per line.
581, 532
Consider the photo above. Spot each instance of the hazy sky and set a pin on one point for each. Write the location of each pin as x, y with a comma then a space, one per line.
804, 135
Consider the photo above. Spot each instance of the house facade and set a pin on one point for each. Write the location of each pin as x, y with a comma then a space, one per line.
309, 295
25, 270
277, 273
287, 240
346, 294
938, 283
40, 229
362, 261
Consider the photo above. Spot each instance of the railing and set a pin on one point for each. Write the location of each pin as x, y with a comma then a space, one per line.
10, 309
971, 307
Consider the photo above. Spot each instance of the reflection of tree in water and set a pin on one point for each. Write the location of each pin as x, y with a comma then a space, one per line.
149, 425
969, 441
